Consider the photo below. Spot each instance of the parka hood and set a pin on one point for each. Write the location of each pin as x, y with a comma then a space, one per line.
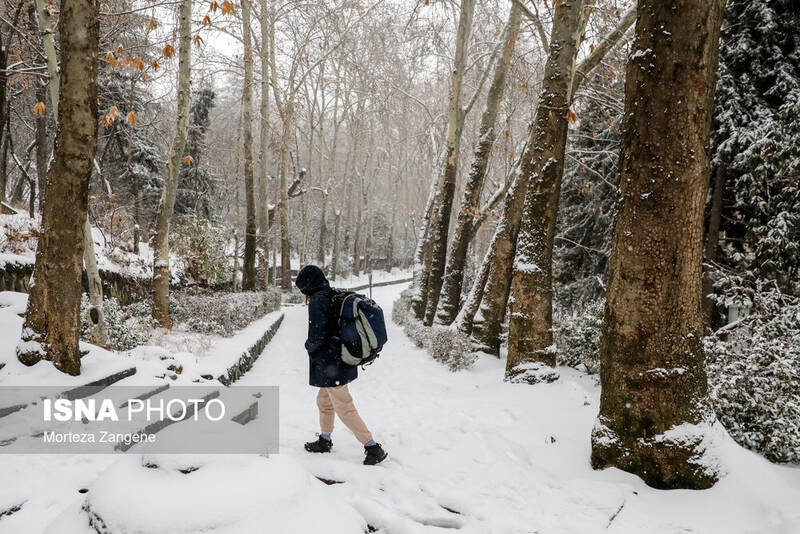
311, 279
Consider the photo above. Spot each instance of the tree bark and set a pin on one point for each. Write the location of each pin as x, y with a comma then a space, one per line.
263, 194
249, 267
335, 259
421, 264
464, 319
487, 325
286, 269
167, 204
286, 109
652, 365
49, 45
42, 146
323, 228
530, 334
97, 323
455, 126
468, 213
3, 116
52, 323
135, 185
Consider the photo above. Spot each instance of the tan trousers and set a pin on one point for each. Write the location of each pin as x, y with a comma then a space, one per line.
338, 400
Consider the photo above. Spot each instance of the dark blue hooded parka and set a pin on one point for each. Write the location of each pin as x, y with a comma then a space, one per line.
326, 367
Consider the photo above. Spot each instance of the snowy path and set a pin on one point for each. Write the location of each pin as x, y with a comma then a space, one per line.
467, 453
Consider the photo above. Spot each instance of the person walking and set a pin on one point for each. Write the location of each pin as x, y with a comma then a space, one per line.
327, 371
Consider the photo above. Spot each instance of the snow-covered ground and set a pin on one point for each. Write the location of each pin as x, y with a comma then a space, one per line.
18, 246
466, 452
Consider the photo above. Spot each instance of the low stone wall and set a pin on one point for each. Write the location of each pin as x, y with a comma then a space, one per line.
250, 355
16, 276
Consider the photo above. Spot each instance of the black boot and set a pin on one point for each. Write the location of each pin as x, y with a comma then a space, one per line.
375, 454
321, 445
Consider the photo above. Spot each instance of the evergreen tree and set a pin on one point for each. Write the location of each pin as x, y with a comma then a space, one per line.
756, 137
197, 182
145, 161
589, 194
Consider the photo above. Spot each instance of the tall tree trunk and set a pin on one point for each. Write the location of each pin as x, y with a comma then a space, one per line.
4, 138
51, 57
654, 415
712, 238
420, 270
286, 268
464, 320
3, 116
42, 146
456, 260
323, 226
488, 323
236, 286
167, 203
455, 126
249, 268
390, 242
368, 241
530, 325
357, 239
531, 282
135, 185
97, 323
303, 230
274, 271
52, 323
264, 152
335, 259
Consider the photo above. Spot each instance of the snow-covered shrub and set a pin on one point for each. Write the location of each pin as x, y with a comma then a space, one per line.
294, 296
417, 332
754, 369
532, 373
202, 247
127, 326
401, 308
18, 234
452, 348
577, 337
221, 313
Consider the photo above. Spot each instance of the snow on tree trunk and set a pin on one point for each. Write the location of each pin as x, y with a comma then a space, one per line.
468, 212
464, 320
52, 319
488, 322
249, 267
3, 117
167, 204
530, 334
654, 418
420, 268
96, 319
444, 200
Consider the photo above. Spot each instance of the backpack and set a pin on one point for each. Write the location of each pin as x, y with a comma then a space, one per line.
362, 330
